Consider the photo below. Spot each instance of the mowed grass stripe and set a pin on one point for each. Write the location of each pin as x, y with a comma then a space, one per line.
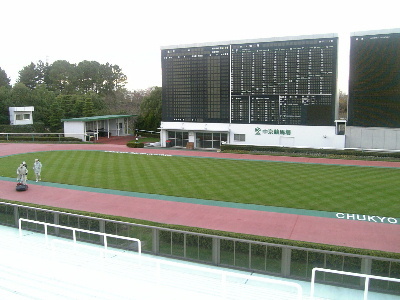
352, 189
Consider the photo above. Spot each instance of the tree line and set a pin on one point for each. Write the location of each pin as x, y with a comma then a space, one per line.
62, 90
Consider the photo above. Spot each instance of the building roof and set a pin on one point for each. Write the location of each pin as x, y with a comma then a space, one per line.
250, 41
23, 108
375, 32
96, 118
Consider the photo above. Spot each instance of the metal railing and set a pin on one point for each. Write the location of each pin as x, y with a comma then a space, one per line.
74, 230
366, 276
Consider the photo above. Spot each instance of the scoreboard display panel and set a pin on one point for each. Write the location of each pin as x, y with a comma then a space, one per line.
282, 81
289, 82
374, 80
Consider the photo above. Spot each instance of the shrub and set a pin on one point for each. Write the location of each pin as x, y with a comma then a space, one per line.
35, 138
135, 144
36, 127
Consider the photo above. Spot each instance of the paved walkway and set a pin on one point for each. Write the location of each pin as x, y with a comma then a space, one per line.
326, 228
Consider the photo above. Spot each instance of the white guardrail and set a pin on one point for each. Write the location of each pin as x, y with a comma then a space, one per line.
74, 230
366, 276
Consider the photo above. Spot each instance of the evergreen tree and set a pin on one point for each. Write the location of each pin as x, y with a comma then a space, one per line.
4, 80
55, 116
5, 103
88, 109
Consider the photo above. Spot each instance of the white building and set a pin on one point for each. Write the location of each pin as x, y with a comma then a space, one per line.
86, 127
21, 115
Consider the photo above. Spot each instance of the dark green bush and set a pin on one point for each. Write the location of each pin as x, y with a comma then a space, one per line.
37, 127
135, 144
34, 138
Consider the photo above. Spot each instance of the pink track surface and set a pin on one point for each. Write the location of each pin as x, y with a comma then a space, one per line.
350, 233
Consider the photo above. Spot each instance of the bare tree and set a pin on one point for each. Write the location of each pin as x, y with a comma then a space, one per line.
343, 98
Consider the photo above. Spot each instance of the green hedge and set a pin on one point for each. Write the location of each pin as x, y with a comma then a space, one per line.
308, 151
30, 138
134, 144
37, 127
147, 134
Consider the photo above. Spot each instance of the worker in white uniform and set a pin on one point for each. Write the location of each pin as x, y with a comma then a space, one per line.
37, 168
21, 174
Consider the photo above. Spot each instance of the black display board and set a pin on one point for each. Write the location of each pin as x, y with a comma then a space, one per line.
374, 80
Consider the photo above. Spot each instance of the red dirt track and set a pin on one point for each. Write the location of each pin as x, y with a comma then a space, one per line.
350, 233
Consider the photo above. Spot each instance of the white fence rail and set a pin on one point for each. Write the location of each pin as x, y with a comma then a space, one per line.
74, 230
366, 276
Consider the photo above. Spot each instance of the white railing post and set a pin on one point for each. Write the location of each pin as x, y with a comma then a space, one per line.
366, 288
19, 227
312, 283
105, 241
45, 233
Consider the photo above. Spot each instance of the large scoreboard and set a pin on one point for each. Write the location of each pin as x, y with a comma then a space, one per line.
282, 81
374, 79
290, 82
196, 84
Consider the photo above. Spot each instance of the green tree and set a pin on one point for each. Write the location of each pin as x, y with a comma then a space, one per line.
150, 111
88, 109
33, 75
21, 95
4, 80
118, 78
88, 76
56, 114
99, 78
62, 77
5, 103
42, 101
79, 105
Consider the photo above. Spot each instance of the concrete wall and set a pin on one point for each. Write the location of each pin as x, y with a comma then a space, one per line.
75, 129
377, 138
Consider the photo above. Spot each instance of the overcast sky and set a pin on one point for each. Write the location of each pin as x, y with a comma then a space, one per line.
130, 33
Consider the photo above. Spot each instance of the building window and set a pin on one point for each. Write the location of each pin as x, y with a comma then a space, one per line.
239, 137
210, 140
21, 117
178, 138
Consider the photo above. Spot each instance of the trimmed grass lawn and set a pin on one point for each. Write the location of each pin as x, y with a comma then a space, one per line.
351, 189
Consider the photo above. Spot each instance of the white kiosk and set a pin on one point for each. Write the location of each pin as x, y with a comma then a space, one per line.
21, 115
